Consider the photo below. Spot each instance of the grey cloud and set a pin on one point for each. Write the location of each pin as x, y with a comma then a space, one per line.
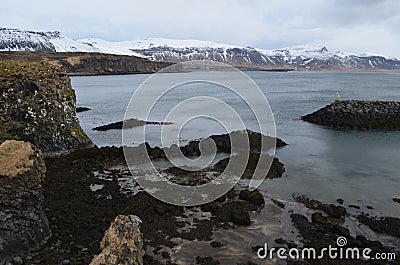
356, 12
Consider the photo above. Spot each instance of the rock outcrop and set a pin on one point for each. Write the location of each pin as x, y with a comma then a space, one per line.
23, 224
358, 114
223, 144
37, 104
122, 243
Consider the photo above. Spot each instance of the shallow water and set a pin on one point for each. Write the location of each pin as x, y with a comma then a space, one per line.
361, 167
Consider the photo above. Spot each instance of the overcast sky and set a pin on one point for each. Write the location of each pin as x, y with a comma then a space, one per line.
360, 26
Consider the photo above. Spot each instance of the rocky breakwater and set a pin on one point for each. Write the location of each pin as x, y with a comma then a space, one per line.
37, 104
358, 114
23, 224
122, 243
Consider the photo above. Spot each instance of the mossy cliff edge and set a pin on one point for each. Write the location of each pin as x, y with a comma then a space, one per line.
37, 104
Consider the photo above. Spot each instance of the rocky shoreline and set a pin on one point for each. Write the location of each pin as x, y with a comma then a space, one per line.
60, 211
358, 115
79, 217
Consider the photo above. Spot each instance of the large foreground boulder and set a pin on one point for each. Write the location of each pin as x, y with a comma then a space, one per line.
23, 224
122, 243
37, 104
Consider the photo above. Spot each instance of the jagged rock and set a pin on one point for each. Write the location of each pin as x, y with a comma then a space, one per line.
252, 196
122, 243
37, 105
340, 201
23, 224
336, 211
241, 217
130, 123
318, 218
82, 109
386, 225
223, 142
276, 169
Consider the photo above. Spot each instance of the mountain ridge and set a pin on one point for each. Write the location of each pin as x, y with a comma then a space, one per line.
169, 50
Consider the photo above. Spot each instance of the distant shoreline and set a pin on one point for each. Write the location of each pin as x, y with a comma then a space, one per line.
97, 64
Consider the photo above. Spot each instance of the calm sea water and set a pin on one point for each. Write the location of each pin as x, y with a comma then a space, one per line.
363, 168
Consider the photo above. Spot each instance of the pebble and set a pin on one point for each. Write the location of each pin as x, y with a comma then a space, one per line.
66, 261
17, 261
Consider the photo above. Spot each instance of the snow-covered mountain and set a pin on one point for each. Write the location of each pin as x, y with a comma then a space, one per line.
53, 41
157, 49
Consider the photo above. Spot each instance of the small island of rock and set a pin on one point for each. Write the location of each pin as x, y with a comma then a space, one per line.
358, 115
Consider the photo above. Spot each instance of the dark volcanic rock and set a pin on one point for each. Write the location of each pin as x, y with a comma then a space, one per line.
319, 234
82, 109
189, 178
252, 196
276, 169
236, 212
241, 217
221, 141
336, 211
216, 244
385, 225
131, 123
38, 106
318, 218
358, 114
396, 200
340, 201
330, 209
23, 224
79, 217
206, 261
255, 140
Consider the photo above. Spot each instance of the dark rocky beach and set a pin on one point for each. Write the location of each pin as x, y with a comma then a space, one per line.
79, 217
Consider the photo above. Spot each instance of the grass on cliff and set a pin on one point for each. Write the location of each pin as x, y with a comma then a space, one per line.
12, 72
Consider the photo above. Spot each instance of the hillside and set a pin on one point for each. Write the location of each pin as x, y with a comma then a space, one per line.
301, 58
88, 63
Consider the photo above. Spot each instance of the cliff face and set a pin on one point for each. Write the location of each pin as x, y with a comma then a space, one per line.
23, 224
122, 243
37, 104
